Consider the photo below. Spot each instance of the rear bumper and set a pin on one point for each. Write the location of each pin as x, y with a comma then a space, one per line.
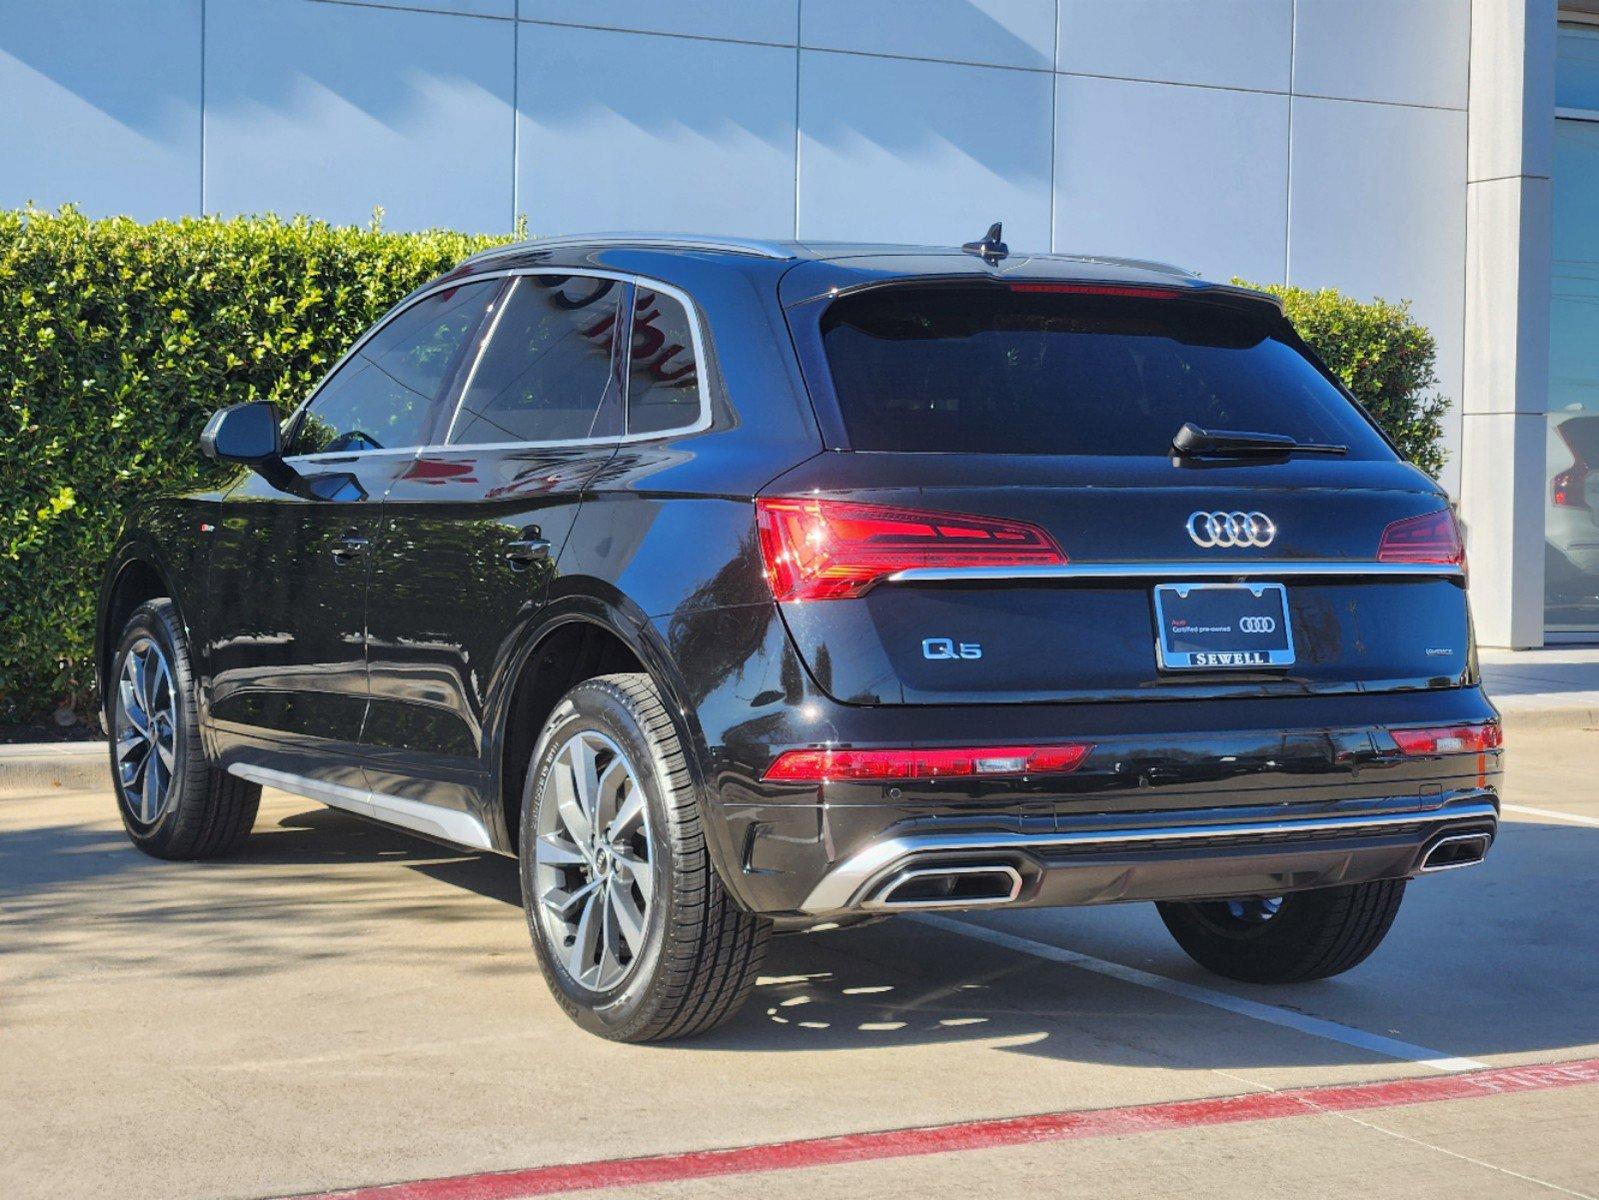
1246, 764
1165, 856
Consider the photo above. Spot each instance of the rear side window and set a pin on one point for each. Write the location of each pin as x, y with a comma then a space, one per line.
663, 386
544, 372
382, 397
989, 370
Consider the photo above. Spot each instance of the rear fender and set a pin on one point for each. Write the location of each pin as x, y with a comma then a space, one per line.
594, 602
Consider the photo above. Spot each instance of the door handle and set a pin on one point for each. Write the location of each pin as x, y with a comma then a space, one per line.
526, 551
348, 547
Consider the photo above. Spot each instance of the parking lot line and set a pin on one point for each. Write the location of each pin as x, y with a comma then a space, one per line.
1551, 814
980, 1135
1269, 1013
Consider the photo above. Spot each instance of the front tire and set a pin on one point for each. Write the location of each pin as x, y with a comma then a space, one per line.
1287, 939
174, 803
637, 938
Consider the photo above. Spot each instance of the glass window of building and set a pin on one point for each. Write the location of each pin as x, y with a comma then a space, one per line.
1571, 575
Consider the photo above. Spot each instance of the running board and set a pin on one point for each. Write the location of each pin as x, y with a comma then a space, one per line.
450, 824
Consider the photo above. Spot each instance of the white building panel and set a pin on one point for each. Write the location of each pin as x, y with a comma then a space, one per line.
504, 9
635, 131
101, 106
1196, 176
330, 109
1397, 51
907, 151
740, 20
1007, 33
1223, 43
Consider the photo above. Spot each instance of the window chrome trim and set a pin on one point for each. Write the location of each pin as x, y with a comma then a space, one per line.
696, 335
1193, 569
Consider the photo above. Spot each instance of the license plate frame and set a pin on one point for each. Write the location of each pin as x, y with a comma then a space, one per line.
1177, 650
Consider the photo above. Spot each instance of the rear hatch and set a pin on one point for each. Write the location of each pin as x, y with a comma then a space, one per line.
1001, 519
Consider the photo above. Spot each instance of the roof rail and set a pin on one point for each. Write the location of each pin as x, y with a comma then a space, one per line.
674, 241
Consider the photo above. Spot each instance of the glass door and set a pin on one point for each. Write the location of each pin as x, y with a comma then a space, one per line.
1571, 576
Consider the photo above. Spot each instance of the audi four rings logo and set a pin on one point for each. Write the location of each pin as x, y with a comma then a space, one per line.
1219, 529
1257, 624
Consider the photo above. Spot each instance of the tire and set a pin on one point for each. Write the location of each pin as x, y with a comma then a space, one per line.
1312, 935
682, 956
179, 806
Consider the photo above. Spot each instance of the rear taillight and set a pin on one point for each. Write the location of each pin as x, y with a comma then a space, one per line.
1449, 739
834, 549
1430, 538
819, 766
1569, 488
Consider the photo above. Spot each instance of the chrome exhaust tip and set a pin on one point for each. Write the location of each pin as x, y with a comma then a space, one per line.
1455, 851
947, 887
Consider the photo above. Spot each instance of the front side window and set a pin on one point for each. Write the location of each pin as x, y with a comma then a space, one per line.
382, 397
663, 384
545, 371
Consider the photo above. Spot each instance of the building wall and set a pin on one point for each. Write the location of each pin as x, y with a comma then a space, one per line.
1321, 142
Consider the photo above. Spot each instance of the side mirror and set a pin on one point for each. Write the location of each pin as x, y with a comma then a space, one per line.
243, 433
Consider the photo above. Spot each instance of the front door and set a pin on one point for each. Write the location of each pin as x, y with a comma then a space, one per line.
286, 648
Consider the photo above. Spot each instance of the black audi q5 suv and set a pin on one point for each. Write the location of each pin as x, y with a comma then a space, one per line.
742, 587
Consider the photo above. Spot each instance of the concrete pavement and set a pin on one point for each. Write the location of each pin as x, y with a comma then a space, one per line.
341, 1005
1555, 687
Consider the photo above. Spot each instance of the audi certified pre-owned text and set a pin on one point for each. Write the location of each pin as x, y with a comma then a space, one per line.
735, 588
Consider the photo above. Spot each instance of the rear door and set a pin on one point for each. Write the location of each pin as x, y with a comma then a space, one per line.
472, 530
1071, 555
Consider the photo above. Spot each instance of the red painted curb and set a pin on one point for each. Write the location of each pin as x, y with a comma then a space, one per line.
980, 1135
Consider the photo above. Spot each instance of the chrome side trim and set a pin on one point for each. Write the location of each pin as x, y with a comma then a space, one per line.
1272, 568
838, 889
448, 823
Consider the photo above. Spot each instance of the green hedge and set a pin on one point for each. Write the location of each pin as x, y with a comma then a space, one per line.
1384, 357
118, 339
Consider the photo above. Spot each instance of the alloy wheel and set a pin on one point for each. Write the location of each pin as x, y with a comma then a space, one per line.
144, 724
593, 871
1255, 910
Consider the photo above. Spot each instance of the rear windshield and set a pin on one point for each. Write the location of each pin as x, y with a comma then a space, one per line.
988, 370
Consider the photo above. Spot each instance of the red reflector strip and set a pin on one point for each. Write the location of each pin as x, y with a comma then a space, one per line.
1099, 289
817, 766
1449, 739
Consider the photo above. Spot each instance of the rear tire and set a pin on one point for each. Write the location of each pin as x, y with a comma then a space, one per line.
637, 937
1312, 935
174, 803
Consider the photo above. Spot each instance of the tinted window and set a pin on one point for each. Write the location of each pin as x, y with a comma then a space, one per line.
546, 366
663, 386
994, 371
381, 397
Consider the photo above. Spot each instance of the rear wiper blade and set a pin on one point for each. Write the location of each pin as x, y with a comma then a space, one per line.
1193, 442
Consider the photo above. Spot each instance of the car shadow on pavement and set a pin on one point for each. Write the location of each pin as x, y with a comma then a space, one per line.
1500, 959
